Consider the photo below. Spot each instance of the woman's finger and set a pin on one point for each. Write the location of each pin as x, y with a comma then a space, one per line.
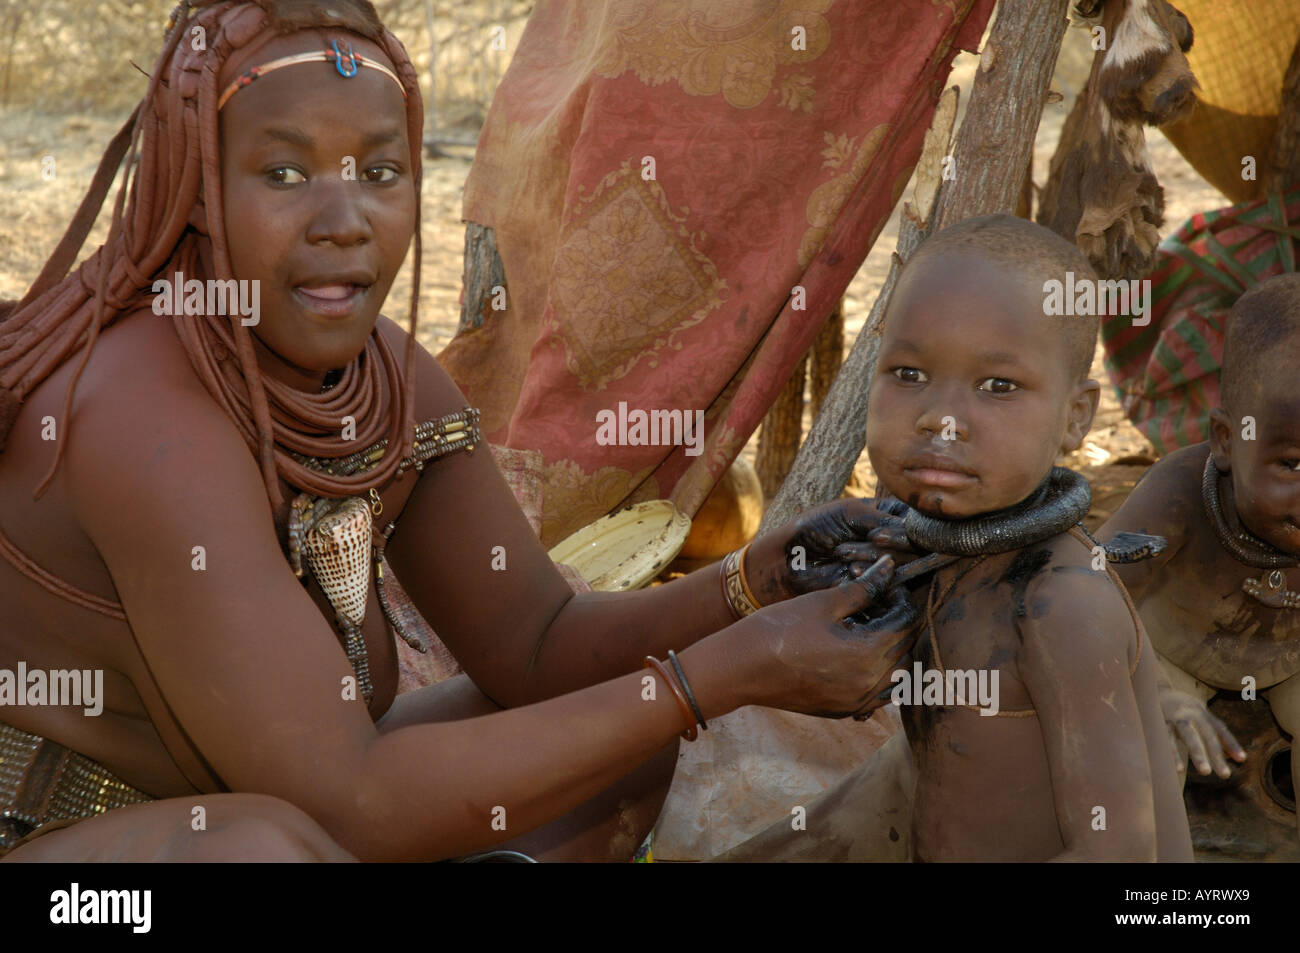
893, 537
899, 616
892, 505
858, 594
856, 552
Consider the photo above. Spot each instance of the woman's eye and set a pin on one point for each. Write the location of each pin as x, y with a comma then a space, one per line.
998, 385
910, 375
1291, 463
380, 174
286, 176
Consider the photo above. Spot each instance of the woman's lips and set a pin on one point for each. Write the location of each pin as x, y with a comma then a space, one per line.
331, 300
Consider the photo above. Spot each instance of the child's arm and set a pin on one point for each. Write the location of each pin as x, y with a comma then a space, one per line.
1206, 738
1163, 502
1077, 656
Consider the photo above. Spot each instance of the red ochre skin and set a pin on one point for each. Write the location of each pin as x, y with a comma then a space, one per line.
966, 338
237, 666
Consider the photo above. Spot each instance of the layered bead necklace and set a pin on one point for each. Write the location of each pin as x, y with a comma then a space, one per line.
338, 538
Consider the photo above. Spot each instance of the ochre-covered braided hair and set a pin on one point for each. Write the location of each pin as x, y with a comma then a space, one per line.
169, 209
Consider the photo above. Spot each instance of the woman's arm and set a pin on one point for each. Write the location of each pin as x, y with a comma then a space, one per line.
253, 673
544, 640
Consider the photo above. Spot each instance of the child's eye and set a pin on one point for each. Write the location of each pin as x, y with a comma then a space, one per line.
284, 175
385, 174
998, 385
910, 375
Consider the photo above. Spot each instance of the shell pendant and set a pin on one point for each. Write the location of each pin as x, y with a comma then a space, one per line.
338, 550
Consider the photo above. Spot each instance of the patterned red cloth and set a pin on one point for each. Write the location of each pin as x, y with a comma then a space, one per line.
661, 175
1167, 373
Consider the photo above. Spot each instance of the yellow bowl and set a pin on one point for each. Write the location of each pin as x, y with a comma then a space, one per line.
626, 549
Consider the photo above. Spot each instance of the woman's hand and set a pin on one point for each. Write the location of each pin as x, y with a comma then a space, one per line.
813, 658
826, 546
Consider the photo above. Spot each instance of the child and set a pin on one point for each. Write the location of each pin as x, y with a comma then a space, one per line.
975, 393
1222, 603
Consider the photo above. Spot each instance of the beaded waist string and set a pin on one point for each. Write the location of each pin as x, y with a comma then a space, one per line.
42, 781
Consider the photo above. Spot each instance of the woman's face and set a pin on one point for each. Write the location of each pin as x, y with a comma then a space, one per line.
319, 201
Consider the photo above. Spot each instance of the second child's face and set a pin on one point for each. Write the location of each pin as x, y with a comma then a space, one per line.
1266, 469
319, 202
971, 399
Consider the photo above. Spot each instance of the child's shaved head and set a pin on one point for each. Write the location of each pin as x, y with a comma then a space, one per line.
1263, 328
1038, 255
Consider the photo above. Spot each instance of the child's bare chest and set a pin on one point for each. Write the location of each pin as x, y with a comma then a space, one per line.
967, 661
1212, 617
983, 787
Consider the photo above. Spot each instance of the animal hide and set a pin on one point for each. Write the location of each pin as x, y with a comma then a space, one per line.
1101, 190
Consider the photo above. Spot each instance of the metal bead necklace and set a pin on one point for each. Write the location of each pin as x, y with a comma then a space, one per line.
1244, 546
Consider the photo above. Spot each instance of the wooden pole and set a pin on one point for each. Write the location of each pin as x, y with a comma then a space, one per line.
992, 151
778, 441
483, 271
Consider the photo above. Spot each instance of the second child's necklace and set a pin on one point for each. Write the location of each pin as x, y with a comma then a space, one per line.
1245, 547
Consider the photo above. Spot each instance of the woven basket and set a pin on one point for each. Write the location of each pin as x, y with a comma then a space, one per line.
1239, 55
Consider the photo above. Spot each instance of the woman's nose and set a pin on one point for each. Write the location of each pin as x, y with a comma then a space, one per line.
340, 217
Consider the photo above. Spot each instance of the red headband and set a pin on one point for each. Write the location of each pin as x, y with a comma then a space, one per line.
347, 64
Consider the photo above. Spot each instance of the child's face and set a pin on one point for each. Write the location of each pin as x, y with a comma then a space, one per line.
1265, 470
971, 399
319, 201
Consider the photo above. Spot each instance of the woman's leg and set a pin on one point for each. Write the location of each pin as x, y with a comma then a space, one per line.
255, 827
231, 827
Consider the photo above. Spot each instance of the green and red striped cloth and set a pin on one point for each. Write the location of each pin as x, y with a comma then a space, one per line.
1167, 373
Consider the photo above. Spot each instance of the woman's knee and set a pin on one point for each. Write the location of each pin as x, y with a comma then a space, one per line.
258, 827
222, 827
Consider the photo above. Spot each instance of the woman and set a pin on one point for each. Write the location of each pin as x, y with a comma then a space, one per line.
283, 152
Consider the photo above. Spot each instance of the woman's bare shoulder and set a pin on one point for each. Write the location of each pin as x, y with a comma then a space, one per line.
139, 349
142, 416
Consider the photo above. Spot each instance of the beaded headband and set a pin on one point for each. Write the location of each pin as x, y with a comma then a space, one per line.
346, 63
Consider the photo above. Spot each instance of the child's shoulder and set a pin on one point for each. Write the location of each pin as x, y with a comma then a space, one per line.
1060, 590
1165, 502
1175, 468
1172, 485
